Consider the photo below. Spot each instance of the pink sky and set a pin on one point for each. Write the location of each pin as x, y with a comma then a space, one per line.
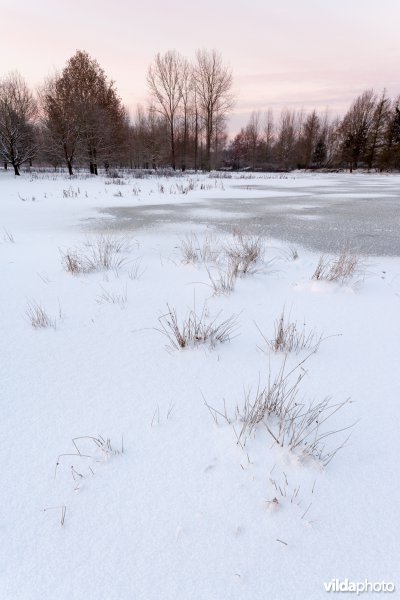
294, 53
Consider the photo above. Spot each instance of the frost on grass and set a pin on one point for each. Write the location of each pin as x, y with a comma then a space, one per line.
102, 253
196, 328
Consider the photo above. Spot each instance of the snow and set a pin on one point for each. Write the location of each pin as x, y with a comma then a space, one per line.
184, 512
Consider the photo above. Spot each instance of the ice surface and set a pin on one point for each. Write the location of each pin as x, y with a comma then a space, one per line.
368, 220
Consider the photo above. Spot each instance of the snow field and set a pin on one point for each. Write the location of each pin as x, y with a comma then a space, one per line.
183, 511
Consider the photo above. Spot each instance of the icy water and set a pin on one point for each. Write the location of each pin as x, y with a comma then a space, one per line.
363, 212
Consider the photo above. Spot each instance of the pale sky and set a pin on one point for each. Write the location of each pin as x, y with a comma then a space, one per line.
293, 53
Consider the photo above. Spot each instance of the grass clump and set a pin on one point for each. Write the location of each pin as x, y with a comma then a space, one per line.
298, 425
37, 316
101, 253
196, 328
8, 236
195, 250
341, 268
290, 337
244, 252
223, 281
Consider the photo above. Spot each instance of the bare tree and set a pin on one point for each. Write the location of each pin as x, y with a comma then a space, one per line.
62, 129
286, 139
155, 132
253, 132
309, 139
164, 80
18, 110
186, 85
213, 82
355, 128
389, 156
147, 139
269, 134
379, 120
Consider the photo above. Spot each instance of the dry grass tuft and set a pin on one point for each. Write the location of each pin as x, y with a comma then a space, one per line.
196, 328
107, 297
38, 317
195, 250
288, 337
8, 236
136, 270
342, 268
244, 252
292, 423
102, 253
223, 281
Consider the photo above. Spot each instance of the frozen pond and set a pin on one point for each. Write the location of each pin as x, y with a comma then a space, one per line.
321, 213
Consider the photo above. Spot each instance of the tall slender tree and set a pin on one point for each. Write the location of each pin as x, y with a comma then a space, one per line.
186, 84
355, 128
309, 139
62, 129
213, 83
18, 111
164, 81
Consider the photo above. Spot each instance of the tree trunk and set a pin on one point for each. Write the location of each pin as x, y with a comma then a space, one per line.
209, 132
16, 169
5, 165
94, 162
208, 152
183, 162
68, 160
196, 140
172, 133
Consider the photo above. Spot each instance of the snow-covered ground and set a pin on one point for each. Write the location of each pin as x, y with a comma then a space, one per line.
173, 507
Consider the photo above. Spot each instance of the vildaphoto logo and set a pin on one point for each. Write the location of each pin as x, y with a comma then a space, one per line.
359, 587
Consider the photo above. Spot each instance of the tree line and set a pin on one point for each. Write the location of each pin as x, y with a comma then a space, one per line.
368, 136
77, 119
